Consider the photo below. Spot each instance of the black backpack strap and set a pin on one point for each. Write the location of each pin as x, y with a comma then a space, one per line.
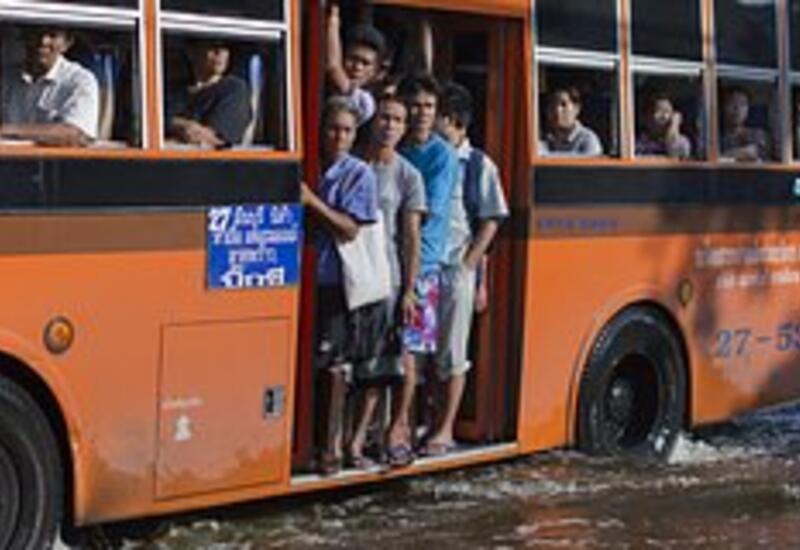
472, 184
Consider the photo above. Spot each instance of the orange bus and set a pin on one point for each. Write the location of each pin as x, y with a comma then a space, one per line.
157, 321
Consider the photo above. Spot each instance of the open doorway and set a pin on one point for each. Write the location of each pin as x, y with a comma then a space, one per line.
481, 54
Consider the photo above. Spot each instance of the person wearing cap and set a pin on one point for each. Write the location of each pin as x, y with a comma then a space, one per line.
53, 101
216, 110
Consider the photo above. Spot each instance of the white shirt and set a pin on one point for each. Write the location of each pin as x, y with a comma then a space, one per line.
68, 93
491, 204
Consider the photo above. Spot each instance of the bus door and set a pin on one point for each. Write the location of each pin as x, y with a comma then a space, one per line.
481, 53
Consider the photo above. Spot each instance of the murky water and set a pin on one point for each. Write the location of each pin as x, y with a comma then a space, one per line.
733, 486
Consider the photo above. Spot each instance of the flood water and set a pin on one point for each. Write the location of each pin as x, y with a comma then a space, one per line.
731, 486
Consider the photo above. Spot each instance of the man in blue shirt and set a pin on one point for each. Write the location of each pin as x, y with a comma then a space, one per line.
437, 162
346, 199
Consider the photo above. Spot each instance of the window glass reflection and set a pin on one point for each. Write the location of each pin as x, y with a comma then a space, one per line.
746, 32
667, 29
577, 24
258, 9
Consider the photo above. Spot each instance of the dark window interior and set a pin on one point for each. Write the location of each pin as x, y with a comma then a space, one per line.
667, 28
577, 24
259, 9
746, 32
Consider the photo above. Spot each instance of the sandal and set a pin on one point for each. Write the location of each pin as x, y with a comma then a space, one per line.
360, 462
433, 449
400, 456
329, 464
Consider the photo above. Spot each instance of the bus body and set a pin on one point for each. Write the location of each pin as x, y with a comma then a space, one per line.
649, 293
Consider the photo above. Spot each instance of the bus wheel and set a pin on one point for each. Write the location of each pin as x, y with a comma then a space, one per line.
633, 391
30, 473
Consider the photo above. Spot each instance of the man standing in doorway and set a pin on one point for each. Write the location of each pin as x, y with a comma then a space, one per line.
437, 162
477, 205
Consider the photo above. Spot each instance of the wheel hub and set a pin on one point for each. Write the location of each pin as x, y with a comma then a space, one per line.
620, 403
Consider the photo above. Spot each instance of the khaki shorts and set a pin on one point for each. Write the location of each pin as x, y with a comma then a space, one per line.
456, 308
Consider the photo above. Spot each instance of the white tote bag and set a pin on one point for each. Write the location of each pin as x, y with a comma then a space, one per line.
365, 266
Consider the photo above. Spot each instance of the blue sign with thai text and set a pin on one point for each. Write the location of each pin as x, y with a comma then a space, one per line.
254, 246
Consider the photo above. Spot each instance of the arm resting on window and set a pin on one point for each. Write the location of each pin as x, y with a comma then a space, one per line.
55, 134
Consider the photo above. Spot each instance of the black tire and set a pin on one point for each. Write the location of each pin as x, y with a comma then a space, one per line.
31, 479
632, 396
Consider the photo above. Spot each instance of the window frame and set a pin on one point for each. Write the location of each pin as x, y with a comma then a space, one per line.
657, 66
678, 60
630, 64
147, 45
234, 28
562, 57
87, 16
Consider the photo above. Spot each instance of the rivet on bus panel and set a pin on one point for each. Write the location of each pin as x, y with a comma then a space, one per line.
685, 292
59, 335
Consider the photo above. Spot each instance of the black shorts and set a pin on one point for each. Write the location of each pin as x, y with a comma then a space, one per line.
344, 336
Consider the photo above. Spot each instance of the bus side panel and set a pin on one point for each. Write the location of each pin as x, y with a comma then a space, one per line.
745, 322
120, 282
578, 284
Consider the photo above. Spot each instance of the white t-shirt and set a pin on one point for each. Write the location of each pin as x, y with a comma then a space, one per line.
364, 103
67, 94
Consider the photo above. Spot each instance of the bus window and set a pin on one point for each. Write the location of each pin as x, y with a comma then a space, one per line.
667, 29
95, 75
577, 24
224, 92
748, 129
794, 34
225, 80
578, 112
255, 9
746, 33
669, 116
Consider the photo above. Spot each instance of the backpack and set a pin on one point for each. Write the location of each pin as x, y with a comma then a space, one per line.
473, 173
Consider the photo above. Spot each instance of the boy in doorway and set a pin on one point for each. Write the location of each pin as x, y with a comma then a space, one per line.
477, 205
355, 70
401, 198
437, 162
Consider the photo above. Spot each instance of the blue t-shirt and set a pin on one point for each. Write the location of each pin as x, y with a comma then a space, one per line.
437, 161
348, 186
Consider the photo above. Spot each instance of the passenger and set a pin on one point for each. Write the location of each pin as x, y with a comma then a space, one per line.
347, 198
54, 101
566, 135
437, 161
215, 111
353, 72
662, 136
477, 206
401, 197
739, 141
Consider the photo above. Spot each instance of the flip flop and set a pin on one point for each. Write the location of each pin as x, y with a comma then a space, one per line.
360, 462
400, 456
329, 464
432, 449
